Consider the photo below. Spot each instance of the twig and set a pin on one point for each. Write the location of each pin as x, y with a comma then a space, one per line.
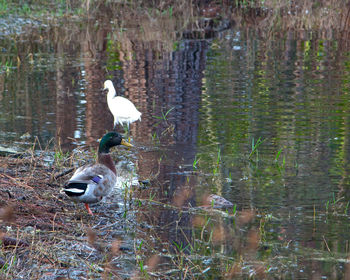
65, 172
326, 244
17, 182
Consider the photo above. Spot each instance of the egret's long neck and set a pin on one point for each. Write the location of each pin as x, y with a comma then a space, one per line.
107, 160
111, 93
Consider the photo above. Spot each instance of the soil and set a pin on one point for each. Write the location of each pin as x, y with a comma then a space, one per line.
45, 235
30, 195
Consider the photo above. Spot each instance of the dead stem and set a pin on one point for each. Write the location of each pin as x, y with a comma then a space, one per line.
17, 182
63, 173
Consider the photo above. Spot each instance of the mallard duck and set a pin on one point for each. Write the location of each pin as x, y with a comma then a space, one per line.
122, 109
90, 183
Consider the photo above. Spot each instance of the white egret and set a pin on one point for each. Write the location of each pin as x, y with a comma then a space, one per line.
123, 110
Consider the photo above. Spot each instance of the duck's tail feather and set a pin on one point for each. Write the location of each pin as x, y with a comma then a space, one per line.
75, 189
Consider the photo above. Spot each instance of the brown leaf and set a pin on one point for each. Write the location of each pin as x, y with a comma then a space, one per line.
91, 236
246, 216
152, 262
219, 234
235, 271
198, 221
6, 214
181, 197
253, 239
116, 247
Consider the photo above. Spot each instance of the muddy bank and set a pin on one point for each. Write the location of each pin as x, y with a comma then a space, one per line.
45, 235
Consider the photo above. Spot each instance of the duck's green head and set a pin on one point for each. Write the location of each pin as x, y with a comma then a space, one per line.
110, 140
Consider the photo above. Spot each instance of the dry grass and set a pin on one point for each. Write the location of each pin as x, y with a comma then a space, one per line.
275, 18
169, 21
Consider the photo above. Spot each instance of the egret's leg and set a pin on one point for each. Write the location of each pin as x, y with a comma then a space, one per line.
126, 129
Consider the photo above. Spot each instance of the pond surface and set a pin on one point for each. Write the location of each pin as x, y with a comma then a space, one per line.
262, 122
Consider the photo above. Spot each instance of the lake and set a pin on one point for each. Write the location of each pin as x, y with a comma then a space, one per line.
262, 121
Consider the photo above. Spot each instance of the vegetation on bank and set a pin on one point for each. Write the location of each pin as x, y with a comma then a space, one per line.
268, 15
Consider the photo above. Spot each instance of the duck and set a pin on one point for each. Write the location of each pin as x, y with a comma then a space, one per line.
90, 183
122, 109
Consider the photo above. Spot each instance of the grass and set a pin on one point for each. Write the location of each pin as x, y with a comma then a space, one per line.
218, 161
154, 17
195, 163
3, 6
337, 205
254, 148
7, 67
164, 116
41, 9
280, 166
166, 127
163, 119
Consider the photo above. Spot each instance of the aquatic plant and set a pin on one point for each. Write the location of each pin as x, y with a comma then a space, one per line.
195, 163
281, 166
218, 161
254, 148
164, 116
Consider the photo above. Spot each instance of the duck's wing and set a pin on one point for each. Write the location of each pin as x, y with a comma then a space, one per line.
91, 180
124, 108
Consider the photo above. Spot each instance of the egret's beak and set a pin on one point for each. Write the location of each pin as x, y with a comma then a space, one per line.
127, 144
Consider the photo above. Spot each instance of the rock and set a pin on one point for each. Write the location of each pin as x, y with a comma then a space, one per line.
4, 152
216, 201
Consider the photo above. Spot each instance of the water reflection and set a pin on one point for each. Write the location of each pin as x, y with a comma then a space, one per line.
172, 100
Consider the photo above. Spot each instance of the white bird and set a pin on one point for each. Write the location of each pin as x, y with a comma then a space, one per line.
123, 110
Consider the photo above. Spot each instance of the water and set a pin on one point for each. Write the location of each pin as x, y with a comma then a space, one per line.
262, 123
